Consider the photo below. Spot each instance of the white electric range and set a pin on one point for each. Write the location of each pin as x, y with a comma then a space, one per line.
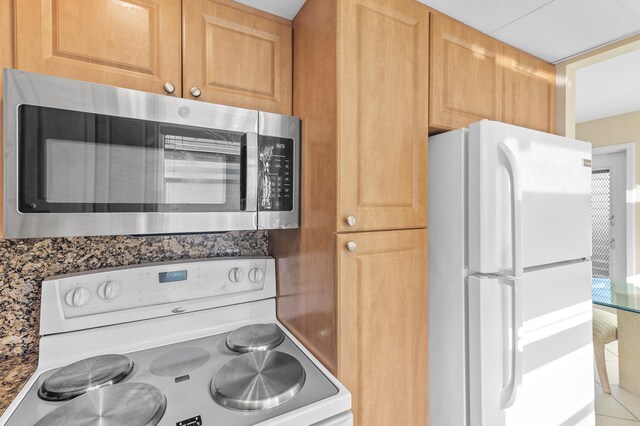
177, 343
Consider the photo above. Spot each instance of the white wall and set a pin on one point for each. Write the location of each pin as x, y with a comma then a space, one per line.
615, 130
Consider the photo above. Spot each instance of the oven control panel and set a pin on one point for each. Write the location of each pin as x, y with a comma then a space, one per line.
275, 174
146, 286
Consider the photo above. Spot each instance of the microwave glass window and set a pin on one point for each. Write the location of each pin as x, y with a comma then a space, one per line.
79, 162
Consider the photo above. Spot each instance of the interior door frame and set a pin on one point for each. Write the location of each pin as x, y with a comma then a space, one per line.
629, 150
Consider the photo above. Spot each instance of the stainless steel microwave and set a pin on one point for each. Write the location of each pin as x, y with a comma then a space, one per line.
89, 159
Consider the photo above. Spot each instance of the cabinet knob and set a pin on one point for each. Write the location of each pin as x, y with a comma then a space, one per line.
168, 87
195, 92
351, 220
351, 246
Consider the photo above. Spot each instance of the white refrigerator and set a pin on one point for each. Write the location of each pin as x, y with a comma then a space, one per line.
510, 340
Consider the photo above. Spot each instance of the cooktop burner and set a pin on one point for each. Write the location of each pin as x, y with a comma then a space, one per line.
258, 381
255, 337
85, 375
135, 404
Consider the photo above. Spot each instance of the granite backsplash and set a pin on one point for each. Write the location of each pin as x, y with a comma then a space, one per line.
25, 263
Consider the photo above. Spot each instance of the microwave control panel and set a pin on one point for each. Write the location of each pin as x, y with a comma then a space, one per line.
276, 174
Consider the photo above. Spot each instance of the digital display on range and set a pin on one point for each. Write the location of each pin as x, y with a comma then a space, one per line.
171, 277
276, 174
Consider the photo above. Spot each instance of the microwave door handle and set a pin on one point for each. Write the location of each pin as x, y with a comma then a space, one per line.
251, 175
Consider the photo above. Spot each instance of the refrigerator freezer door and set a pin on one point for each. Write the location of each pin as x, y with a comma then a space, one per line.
554, 344
554, 197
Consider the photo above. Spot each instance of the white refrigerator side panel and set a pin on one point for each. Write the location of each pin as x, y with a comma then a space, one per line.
556, 345
555, 182
447, 363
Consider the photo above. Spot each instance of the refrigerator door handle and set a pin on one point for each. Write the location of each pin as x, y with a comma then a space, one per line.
509, 392
508, 160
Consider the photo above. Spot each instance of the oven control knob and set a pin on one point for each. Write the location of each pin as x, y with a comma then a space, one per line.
255, 275
108, 290
236, 275
77, 297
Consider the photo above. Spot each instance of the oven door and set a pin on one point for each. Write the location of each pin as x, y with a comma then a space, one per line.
100, 160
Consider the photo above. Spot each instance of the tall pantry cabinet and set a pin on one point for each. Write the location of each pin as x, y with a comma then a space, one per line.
353, 279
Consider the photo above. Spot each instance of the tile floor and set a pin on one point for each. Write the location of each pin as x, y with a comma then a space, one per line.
621, 408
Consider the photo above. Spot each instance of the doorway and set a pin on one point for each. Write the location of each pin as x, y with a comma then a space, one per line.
608, 209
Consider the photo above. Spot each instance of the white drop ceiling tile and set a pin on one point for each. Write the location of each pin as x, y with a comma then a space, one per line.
285, 8
486, 15
608, 88
632, 5
564, 28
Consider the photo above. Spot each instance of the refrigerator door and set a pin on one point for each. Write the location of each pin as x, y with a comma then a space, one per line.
549, 356
540, 180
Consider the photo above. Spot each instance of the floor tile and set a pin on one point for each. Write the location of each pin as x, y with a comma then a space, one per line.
607, 405
629, 400
613, 421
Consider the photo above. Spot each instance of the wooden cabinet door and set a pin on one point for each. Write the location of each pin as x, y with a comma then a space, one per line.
529, 91
237, 56
382, 84
126, 43
465, 75
382, 326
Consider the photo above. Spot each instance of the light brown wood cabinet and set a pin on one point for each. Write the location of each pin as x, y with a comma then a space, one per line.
237, 58
465, 75
383, 103
528, 90
475, 77
126, 43
227, 52
361, 90
6, 61
382, 317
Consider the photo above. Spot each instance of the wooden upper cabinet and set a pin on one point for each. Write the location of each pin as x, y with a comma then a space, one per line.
382, 326
465, 75
383, 114
127, 43
528, 90
236, 56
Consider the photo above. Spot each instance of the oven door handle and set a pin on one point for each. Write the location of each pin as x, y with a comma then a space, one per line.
250, 174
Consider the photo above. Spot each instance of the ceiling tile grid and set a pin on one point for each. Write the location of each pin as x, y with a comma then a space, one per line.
564, 28
608, 88
549, 29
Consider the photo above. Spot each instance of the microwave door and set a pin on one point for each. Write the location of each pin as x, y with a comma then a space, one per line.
93, 161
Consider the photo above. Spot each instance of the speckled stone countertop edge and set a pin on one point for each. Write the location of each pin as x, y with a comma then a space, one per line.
15, 372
